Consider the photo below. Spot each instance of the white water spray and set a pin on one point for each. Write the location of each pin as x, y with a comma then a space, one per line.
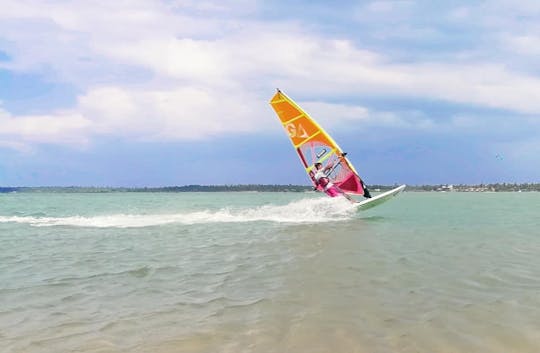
303, 211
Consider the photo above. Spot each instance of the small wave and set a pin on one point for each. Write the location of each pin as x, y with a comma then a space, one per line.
140, 272
303, 211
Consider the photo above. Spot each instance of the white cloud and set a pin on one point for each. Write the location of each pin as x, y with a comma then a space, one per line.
158, 115
176, 58
523, 44
60, 128
165, 71
325, 113
183, 113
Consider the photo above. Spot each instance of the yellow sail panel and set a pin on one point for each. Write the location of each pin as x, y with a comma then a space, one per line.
301, 130
298, 124
313, 144
284, 109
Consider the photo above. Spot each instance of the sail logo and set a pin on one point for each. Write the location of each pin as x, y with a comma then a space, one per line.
296, 131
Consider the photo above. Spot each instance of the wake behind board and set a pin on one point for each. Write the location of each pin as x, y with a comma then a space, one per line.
379, 199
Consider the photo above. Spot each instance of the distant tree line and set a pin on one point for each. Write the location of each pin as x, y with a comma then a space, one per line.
185, 188
493, 187
223, 188
275, 188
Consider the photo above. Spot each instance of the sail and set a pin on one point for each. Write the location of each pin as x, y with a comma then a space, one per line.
313, 145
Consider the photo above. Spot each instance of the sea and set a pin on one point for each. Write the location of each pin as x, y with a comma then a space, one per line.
269, 272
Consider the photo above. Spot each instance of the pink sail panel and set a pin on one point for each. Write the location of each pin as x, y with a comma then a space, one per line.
340, 172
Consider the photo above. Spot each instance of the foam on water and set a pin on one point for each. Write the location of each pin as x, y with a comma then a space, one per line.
301, 211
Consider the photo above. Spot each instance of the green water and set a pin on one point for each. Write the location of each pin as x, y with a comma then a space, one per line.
269, 272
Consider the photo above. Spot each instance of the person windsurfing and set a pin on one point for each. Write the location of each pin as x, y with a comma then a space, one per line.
322, 180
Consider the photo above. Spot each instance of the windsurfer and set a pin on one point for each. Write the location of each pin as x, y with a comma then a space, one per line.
322, 180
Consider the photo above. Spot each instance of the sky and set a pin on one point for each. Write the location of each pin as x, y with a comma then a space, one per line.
162, 93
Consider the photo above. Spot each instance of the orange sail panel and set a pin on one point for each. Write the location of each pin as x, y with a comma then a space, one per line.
313, 145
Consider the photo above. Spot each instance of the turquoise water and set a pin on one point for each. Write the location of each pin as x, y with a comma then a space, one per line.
269, 272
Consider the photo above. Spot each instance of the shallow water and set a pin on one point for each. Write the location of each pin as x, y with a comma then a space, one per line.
269, 272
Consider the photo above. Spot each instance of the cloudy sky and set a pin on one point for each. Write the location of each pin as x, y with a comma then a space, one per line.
154, 93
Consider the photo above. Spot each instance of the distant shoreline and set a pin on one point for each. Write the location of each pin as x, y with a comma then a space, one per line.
499, 187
